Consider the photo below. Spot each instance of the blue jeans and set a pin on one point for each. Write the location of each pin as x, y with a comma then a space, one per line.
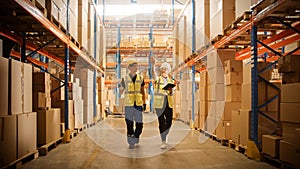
133, 114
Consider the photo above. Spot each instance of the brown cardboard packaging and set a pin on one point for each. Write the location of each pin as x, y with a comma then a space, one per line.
288, 153
227, 109
16, 93
27, 87
60, 104
270, 145
203, 79
233, 66
240, 126
40, 101
41, 78
26, 133
233, 93
203, 93
290, 93
216, 75
233, 78
289, 112
216, 92
8, 141
291, 133
48, 126
4, 86
223, 130
203, 108
289, 63
291, 77
217, 57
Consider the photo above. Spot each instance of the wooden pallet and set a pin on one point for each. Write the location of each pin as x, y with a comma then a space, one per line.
43, 150
72, 39
19, 162
40, 7
238, 22
57, 23
79, 129
237, 147
276, 162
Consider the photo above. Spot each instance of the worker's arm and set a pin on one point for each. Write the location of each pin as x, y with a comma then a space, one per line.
122, 86
154, 75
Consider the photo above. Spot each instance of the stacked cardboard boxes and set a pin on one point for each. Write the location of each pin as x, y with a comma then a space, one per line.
202, 23
216, 87
222, 13
78, 103
289, 110
58, 99
233, 80
203, 104
265, 93
17, 119
48, 119
82, 22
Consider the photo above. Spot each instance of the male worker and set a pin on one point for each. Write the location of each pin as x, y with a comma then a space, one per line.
163, 102
134, 102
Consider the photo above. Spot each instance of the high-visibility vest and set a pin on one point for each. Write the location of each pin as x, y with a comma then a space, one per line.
133, 91
160, 93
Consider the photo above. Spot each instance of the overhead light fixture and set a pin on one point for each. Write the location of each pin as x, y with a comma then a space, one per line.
133, 1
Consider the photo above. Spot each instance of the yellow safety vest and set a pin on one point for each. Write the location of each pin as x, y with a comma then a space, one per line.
160, 93
133, 91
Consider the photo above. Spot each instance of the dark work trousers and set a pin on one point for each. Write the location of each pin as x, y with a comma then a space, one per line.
133, 114
165, 116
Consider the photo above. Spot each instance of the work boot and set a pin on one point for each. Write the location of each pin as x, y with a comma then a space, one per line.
131, 146
163, 145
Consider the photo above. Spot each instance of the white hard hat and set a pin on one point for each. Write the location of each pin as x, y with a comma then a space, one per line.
167, 66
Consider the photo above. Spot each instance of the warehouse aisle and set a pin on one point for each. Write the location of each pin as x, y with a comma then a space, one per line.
104, 146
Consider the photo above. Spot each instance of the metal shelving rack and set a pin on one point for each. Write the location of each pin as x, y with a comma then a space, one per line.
259, 21
65, 52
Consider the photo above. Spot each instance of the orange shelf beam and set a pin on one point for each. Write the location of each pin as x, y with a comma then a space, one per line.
39, 16
18, 55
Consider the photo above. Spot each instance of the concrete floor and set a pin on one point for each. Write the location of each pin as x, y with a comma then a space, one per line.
104, 146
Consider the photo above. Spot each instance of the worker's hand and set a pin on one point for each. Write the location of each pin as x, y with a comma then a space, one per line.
144, 107
152, 60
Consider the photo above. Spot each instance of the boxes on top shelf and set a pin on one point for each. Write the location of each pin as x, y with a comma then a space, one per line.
217, 57
289, 63
241, 6
222, 13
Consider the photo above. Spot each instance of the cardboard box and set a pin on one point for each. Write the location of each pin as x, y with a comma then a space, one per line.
216, 92
61, 104
291, 133
202, 119
289, 112
217, 57
27, 123
203, 79
43, 89
240, 126
233, 78
203, 108
289, 63
288, 153
210, 125
241, 6
70, 77
290, 93
40, 101
78, 112
246, 96
27, 88
48, 126
223, 130
291, 77
270, 145
224, 109
41, 78
8, 141
233, 93
4, 86
203, 93
233, 66
222, 13
16, 92
88, 114
216, 75
260, 65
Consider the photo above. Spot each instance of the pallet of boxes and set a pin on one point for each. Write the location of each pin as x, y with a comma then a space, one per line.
17, 119
289, 110
58, 101
241, 117
48, 118
216, 93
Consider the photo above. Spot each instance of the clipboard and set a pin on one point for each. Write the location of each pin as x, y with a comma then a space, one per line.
169, 85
